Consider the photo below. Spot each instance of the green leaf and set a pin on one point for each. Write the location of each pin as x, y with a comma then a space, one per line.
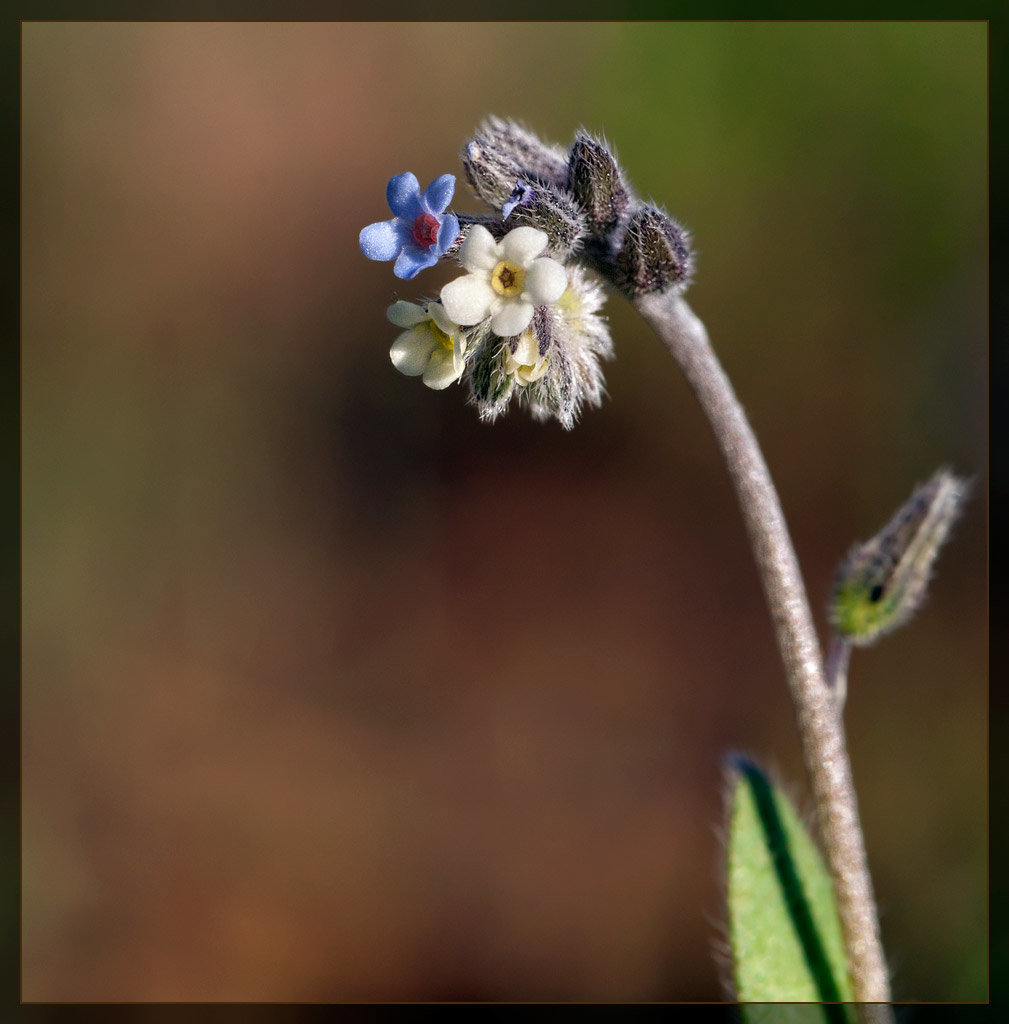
783, 925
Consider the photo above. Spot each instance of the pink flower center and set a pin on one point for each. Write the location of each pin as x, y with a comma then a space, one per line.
425, 230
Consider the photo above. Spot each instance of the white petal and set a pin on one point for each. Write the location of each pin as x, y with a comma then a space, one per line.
479, 251
533, 374
459, 354
527, 350
467, 299
546, 280
523, 244
512, 318
441, 371
411, 351
437, 313
406, 314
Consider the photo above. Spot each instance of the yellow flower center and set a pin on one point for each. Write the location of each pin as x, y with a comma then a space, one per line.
440, 336
508, 279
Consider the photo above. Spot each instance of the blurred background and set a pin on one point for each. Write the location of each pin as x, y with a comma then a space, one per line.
331, 692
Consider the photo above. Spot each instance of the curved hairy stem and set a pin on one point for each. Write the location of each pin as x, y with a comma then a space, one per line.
817, 712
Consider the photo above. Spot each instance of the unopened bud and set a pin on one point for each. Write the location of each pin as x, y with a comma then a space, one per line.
654, 255
549, 209
595, 180
882, 582
501, 153
526, 150
491, 176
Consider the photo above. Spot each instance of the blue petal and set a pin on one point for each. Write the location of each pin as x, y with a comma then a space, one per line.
521, 195
439, 193
447, 234
384, 240
412, 261
403, 194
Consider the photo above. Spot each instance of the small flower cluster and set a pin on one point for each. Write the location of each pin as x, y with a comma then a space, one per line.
524, 320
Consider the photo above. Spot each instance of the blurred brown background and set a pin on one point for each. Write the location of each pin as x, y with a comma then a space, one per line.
331, 692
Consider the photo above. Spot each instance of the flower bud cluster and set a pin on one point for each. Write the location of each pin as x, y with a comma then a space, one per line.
524, 321
552, 368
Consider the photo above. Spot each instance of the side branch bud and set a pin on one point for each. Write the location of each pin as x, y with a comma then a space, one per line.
882, 583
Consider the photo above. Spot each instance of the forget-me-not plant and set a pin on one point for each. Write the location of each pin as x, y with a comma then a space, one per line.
523, 323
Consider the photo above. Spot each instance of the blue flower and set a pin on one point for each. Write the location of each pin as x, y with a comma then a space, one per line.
420, 233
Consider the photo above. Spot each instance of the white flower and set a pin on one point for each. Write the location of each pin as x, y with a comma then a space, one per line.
505, 280
525, 364
432, 345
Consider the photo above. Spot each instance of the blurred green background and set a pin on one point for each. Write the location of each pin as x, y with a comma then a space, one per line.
331, 692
